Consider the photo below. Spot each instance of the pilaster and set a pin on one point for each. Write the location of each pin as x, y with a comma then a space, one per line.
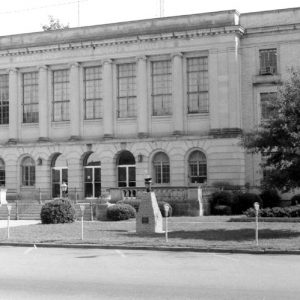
13, 106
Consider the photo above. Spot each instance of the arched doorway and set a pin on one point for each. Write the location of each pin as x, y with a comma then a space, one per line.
126, 170
59, 172
92, 176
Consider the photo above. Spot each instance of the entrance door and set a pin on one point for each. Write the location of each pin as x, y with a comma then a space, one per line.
126, 176
59, 175
92, 182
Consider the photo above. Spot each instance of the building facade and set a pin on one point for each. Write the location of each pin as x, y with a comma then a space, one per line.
103, 106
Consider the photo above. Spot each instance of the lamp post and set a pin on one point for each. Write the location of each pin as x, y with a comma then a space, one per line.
8, 218
64, 188
166, 209
256, 207
82, 208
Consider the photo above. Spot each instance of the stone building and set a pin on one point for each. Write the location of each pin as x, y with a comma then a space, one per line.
102, 106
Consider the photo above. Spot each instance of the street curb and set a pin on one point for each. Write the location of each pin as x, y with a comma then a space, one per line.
152, 248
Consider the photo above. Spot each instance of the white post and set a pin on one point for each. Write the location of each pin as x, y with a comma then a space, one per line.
256, 206
166, 208
8, 219
82, 207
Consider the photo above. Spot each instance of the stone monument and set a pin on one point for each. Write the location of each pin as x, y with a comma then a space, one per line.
149, 218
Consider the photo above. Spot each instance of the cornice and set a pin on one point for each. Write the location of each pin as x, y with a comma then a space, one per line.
272, 29
138, 39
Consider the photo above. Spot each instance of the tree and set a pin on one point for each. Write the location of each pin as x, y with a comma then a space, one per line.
54, 24
278, 139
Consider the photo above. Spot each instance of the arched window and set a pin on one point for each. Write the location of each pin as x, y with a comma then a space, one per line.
92, 176
28, 171
161, 168
2, 173
197, 167
126, 169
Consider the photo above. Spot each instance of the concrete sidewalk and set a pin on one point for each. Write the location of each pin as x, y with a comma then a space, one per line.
14, 223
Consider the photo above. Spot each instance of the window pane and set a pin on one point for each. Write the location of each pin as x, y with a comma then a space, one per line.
93, 92
127, 90
61, 95
122, 177
4, 99
268, 61
161, 87
88, 188
88, 174
97, 174
197, 74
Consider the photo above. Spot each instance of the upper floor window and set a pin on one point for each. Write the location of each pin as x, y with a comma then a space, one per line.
2, 172
61, 99
30, 98
197, 84
28, 171
268, 61
126, 90
266, 108
161, 88
4, 99
197, 167
161, 166
93, 92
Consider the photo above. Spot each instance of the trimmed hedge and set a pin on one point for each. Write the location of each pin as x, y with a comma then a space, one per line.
222, 210
270, 198
133, 202
120, 212
275, 212
58, 211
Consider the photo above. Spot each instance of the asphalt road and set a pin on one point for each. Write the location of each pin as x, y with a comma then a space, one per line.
43, 273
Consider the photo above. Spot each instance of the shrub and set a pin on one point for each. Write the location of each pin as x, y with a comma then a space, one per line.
120, 212
222, 210
58, 211
277, 212
133, 202
161, 205
270, 198
222, 198
247, 200
295, 199
236, 206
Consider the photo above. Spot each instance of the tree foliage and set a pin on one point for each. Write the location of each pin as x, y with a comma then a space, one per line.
54, 24
278, 139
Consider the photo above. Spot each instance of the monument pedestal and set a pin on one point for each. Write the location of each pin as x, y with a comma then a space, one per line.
149, 218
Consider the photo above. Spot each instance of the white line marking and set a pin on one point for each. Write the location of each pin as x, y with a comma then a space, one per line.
227, 257
121, 253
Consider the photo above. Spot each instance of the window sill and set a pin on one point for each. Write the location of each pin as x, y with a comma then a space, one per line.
59, 123
266, 79
126, 119
30, 124
164, 117
197, 115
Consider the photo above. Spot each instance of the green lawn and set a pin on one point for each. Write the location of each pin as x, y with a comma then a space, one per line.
184, 232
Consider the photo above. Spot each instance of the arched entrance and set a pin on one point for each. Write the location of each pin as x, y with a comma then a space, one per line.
126, 170
92, 176
59, 174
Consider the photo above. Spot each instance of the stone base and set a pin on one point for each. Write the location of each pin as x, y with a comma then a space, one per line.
74, 138
149, 218
43, 139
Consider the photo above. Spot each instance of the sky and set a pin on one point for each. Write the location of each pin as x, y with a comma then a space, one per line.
22, 16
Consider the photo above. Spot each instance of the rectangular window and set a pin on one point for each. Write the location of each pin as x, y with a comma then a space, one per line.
127, 90
161, 88
266, 108
93, 92
4, 99
61, 99
30, 98
268, 61
197, 85
28, 175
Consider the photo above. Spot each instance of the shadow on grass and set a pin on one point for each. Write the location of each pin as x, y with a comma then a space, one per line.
230, 235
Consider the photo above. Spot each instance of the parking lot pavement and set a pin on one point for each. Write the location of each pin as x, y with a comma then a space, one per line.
14, 223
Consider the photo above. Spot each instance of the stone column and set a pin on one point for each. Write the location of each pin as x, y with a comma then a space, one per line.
107, 99
75, 102
142, 97
234, 74
43, 104
213, 88
13, 106
177, 92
